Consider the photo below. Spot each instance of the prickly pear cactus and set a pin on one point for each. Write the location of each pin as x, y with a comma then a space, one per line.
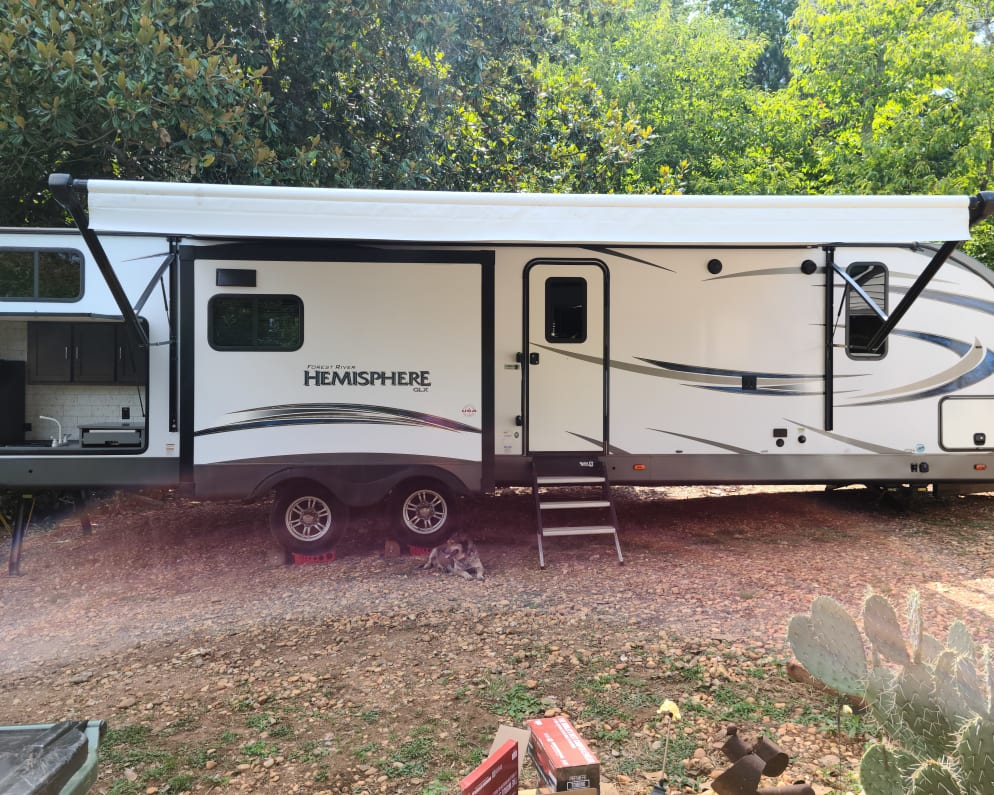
829, 645
961, 640
882, 628
932, 700
916, 626
934, 778
975, 751
879, 773
930, 728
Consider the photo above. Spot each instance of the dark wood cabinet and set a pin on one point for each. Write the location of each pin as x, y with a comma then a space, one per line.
49, 353
132, 358
84, 353
94, 353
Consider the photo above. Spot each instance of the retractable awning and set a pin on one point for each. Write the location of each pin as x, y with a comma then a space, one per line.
226, 211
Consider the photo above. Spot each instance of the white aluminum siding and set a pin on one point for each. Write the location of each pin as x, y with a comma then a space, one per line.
229, 211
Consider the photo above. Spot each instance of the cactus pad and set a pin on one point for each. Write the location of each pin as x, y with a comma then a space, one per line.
829, 645
975, 749
932, 731
960, 640
883, 630
934, 778
879, 773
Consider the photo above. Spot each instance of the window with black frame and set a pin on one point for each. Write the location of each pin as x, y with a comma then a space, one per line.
862, 320
565, 309
40, 275
255, 322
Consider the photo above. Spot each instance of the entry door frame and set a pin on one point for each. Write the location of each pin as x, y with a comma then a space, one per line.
569, 267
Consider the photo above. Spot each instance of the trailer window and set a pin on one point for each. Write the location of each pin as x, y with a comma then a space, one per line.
565, 309
862, 322
39, 275
255, 322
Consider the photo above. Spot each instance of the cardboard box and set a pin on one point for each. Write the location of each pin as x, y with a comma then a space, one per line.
496, 775
564, 761
520, 736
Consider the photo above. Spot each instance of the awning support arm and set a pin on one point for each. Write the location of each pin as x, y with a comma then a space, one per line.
830, 269
944, 252
166, 263
861, 292
63, 189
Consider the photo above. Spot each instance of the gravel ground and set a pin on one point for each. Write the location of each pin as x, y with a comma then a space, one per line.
220, 668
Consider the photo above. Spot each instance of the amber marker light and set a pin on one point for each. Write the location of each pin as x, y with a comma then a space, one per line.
980, 467
639, 467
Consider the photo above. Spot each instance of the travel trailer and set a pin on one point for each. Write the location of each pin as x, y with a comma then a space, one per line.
341, 348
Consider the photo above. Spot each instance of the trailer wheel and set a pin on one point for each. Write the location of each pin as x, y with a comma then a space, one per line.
306, 518
424, 511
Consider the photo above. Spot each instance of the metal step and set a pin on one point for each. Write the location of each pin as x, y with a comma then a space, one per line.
568, 504
570, 480
579, 531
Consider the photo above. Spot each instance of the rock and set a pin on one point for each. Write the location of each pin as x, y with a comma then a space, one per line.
81, 678
699, 764
829, 761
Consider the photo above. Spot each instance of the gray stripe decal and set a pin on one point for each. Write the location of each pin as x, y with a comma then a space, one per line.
873, 448
711, 442
974, 358
610, 448
763, 272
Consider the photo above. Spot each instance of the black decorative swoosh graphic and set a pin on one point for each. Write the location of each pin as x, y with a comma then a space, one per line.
760, 383
333, 414
621, 255
975, 364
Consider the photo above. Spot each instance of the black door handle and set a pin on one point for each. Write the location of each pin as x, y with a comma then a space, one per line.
532, 358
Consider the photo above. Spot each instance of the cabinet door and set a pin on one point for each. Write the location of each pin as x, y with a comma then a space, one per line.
132, 358
94, 353
49, 353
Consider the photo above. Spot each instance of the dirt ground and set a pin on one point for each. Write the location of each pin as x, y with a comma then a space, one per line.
220, 668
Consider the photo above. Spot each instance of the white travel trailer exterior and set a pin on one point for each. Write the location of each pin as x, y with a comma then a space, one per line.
342, 347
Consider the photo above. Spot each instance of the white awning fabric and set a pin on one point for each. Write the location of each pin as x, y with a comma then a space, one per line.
235, 211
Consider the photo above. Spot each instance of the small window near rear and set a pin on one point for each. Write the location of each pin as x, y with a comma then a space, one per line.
255, 322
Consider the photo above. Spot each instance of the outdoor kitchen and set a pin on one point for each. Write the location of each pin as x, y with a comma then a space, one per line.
76, 384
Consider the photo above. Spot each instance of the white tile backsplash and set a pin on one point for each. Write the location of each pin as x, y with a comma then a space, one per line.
74, 405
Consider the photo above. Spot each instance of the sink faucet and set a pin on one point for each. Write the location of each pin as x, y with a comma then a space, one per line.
56, 440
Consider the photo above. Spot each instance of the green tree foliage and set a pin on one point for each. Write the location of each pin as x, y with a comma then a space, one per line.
707, 96
457, 94
878, 84
770, 19
687, 76
125, 89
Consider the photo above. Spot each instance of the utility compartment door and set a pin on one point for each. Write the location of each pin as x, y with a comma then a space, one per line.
566, 356
966, 423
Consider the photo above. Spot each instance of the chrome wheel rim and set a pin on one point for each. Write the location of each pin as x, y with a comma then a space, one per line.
425, 512
308, 518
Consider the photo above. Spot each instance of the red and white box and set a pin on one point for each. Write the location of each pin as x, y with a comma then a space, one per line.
563, 759
496, 775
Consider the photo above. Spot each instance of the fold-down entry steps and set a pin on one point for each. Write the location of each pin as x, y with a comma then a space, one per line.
572, 498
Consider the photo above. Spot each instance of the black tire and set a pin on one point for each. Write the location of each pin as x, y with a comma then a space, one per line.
424, 513
306, 518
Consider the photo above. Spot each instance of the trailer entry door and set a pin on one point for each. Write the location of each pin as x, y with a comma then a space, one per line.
566, 356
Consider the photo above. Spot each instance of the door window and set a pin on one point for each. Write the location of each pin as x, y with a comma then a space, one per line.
565, 310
